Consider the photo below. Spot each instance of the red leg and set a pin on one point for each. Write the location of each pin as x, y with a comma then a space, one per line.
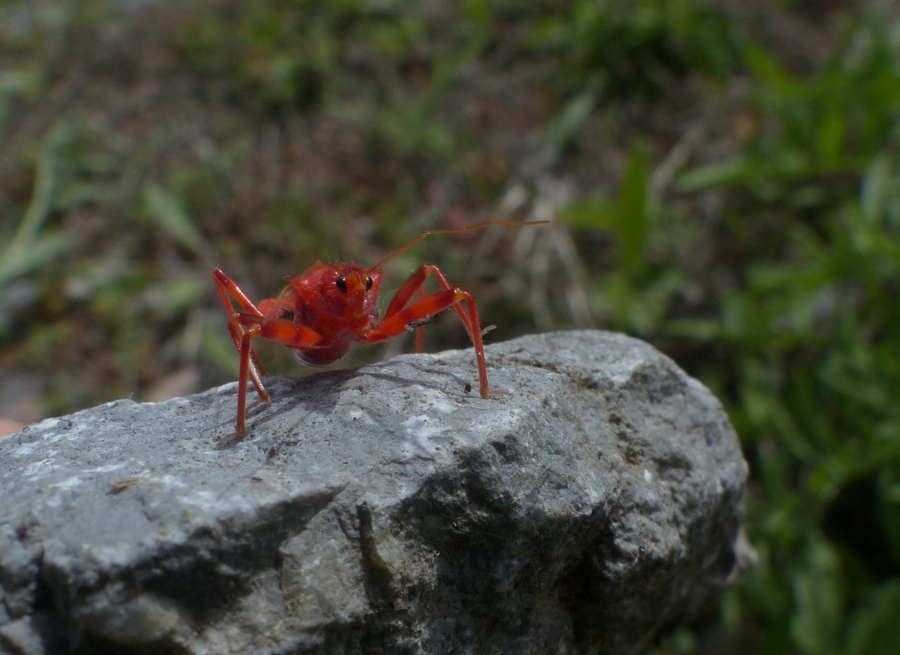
399, 317
416, 282
420, 331
244, 326
226, 286
245, 351
281, 331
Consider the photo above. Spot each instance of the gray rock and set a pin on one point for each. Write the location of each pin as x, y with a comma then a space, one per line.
380, 510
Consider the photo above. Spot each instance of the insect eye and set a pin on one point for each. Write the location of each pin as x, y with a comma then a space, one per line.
368, 283
341, 284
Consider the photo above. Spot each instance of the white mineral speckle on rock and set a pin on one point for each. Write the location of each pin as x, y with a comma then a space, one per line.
413, 421
422, 431
24, 450
356, 414
109, 468
46, 424
499, 420
169, 481
68, 483
437, 401
40, 467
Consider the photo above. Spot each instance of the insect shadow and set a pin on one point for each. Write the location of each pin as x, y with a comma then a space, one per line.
320, 394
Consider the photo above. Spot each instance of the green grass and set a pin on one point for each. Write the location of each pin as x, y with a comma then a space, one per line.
731, 194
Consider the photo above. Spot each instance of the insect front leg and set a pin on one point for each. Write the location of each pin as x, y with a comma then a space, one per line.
278, 330
416, 284
229, 291
246, 372
400, 315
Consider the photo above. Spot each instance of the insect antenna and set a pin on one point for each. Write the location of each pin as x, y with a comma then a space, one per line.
455, 230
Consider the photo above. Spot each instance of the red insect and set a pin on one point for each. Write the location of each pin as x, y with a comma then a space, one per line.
320, 313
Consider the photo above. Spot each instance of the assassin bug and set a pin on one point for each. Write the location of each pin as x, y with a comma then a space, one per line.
320, 313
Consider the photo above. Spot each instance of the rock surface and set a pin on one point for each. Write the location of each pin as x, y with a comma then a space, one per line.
380, 510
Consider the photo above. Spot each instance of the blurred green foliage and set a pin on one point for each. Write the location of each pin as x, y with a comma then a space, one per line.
730, 194
27, 246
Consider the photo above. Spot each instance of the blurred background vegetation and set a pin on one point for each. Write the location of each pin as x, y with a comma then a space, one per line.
724, 178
